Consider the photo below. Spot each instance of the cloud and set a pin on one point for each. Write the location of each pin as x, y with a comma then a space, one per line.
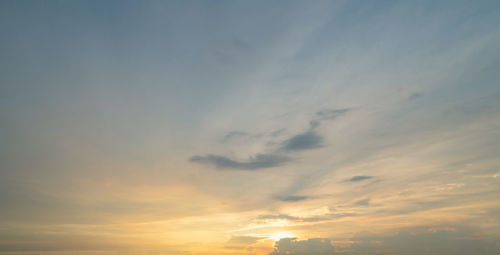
437, 240
260, 161
414, 96
359, 178
331, 114
364, 202
278, 132
324, 217
293, 198
431, 241
233, 134
304, 141
311, 139
277, 217
313, 124
292, 246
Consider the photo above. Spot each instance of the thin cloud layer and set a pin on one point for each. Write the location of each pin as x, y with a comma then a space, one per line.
260, 161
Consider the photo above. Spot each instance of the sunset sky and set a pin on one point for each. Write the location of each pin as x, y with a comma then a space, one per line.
242, 127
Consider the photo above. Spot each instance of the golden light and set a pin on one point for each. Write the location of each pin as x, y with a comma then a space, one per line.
277, 237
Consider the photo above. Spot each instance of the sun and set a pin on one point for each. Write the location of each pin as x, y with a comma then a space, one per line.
278, 236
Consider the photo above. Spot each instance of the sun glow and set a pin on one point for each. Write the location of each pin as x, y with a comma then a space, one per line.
277, 237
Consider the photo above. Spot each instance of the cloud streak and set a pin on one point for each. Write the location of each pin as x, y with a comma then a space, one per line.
364, 202
233, 134
324, 217
293, 198
331, 114
260, 161
359, 178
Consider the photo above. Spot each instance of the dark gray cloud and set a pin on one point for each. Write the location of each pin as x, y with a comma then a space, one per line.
331, 114
359, 178
254, 163
314, 246
304, 141
293, 198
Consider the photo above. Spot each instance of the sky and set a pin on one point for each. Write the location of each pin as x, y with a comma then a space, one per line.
249, 127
